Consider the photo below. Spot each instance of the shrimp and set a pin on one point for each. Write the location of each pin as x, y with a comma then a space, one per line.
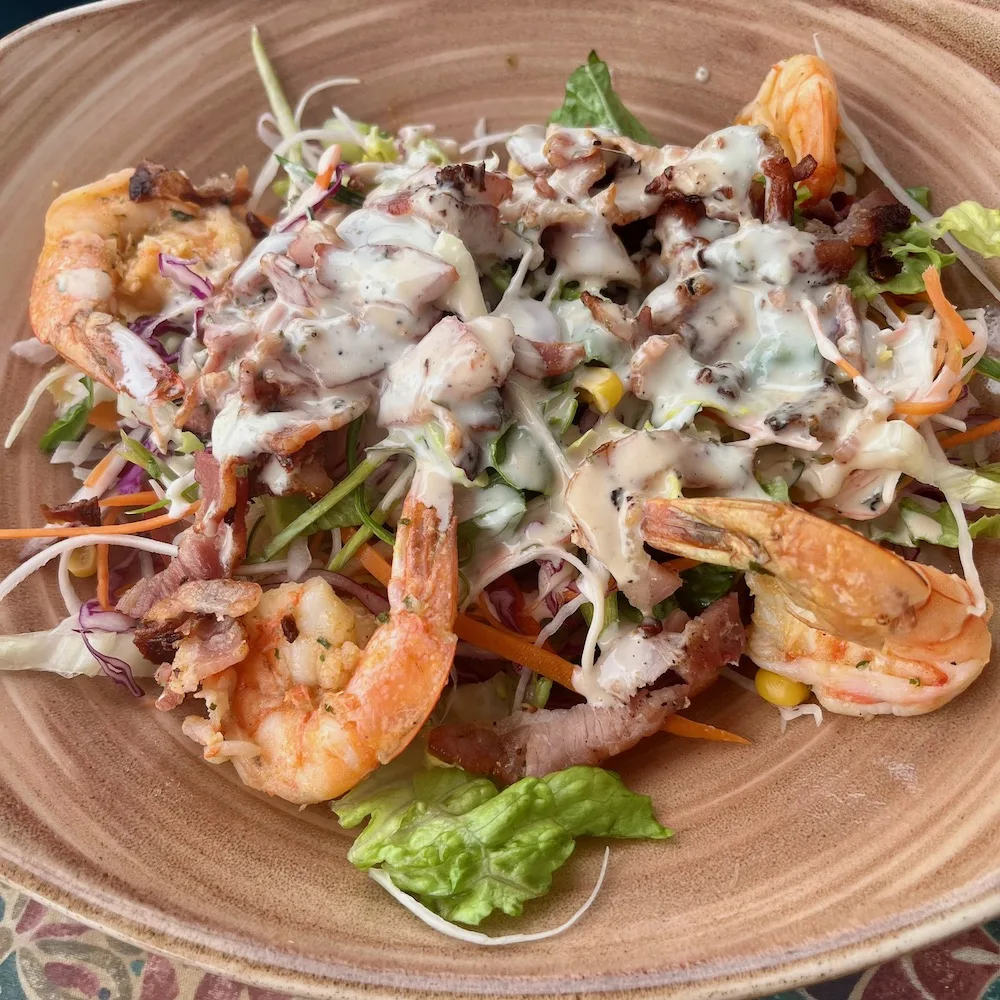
98, 270
797, 103
905, 676
871, 632
309, 712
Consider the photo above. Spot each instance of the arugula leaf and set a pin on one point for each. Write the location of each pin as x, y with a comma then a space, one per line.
70, 426
464, 849
972, 224
704, 584
591, 101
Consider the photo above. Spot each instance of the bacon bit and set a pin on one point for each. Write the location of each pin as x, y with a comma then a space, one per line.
946, 312
104, 415
700, 731
974, 434
135, 528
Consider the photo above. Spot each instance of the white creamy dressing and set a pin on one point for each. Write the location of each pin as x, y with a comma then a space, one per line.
746, 348
85, 283
138, 359
607, 492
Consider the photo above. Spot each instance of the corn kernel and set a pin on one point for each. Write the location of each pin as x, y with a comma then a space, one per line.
600, 386
515, 170
82, 562
780, 690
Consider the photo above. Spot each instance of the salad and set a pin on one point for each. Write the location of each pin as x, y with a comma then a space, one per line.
424, 479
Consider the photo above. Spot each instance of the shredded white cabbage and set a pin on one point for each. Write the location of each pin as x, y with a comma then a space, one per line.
788, 714
36, 394
438, 923
62, 651
36, 562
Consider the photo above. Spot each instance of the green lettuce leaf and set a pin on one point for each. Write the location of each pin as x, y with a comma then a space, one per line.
921, 195
465, 849
918, 519
70, 426
914, 249
972, 224
591, 101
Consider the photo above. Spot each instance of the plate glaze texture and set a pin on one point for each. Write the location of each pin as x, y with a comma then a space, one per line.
808, 854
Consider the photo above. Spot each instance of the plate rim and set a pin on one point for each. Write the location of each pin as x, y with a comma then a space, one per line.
915, 929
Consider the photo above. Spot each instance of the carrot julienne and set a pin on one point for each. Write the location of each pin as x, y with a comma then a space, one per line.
973, 434
503, 643
104, 567
136, 528
700, 731
946, 312
926, 408
98, 470
129, 499
104, 415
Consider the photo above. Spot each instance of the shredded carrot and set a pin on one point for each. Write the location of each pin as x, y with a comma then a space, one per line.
681, 564
964, 437
135, 528
700, 731
946, 312
142, 499
516, 649
895, 307
98, 470
375, 564
498, 641
921, 409
104, 415
845, 366
104, 568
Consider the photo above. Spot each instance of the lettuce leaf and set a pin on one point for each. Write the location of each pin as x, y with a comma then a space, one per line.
918, 519
591, 101
972, 224
914, 249
70, 426
776, 489
465, 849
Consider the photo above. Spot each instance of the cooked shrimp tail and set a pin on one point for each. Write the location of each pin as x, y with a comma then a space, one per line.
324, 697
870, 632
797, 103
408, 660
853, 586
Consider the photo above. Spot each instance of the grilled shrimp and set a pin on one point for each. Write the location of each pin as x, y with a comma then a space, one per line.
797, 103
908, 675
310, 712
98, 270
871, 632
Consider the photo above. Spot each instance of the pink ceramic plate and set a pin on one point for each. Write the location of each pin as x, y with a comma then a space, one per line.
804, 856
